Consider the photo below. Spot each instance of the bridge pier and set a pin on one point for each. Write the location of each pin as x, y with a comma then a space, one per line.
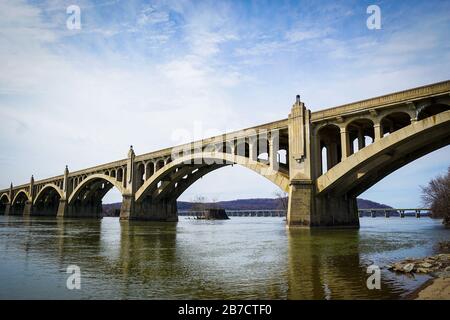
83, 210
301, 204
127, 208
7, 209
164, 210
62, 208
28, 208
307, 210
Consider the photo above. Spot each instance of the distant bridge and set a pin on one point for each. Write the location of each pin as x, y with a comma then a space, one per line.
322, 159
373, 212
387, 212
238, 213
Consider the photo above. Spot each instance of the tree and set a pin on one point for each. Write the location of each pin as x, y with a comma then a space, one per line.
282, 200
198, 203
436, 196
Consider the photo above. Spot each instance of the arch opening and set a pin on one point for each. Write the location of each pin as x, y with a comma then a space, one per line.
19, 203
431, 110
157, 199
149, 169
87, 200
242, 149
393, 122
212, 185
4, 201
47, 202
140, 175
330, 141
361, 133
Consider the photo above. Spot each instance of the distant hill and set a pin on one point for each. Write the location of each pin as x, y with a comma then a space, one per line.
242, 204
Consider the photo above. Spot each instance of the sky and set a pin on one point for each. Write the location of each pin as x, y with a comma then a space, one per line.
137, 72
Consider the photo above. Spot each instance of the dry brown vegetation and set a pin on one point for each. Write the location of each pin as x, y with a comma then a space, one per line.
436, 196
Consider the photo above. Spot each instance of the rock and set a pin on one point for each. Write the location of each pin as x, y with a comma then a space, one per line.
426, 265
408, 267
422, 270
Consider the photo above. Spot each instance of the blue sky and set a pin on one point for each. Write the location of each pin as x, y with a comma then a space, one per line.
81, 97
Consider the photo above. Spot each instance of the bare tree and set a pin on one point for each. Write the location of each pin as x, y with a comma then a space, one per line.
436, 196
214, 204
198, 203
282, 200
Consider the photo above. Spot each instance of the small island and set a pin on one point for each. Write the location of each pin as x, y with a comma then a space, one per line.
213, 214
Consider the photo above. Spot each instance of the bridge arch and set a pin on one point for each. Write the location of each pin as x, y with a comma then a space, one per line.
47, 200
19, 201
186, 166
21, 194
5, 197
4, 201
362, 170
86, 199
94, 179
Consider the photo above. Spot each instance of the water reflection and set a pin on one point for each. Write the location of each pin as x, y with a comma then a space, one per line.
243, 258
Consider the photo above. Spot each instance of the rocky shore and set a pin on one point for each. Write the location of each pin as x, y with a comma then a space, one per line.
437, 266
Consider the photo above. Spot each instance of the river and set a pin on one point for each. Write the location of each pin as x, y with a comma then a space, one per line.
240, 258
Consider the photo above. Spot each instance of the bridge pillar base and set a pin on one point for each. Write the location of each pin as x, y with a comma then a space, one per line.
7, 209
92, 210
309, 211
300, 204
164, 211
127, 208
28, 208
337, 211
62, 208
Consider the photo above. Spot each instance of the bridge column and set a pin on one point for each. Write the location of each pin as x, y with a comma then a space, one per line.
253, 149
361, 139
345, 143
274, 142
377, 131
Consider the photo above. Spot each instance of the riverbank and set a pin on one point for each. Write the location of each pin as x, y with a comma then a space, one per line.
437, 266
434, 289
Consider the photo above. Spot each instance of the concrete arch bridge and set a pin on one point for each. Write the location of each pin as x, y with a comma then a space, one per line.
323, 159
